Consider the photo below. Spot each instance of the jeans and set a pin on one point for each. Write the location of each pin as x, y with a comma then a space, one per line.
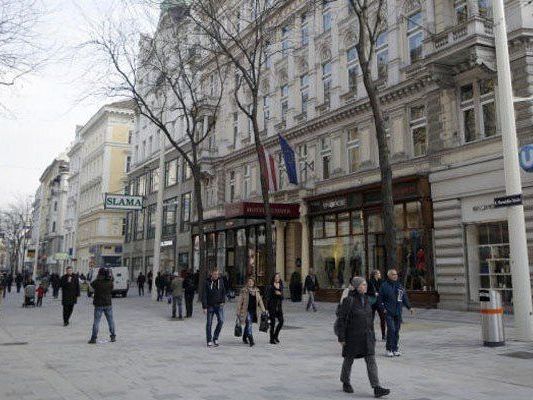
176, 300
248, 325
393, 331
141, 289
274, 332
67, 312
219, 312
311, 301
371, 369
189, 297
98, 311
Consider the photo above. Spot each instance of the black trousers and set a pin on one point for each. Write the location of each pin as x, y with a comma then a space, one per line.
189, 298
275, 329
141, 290
67, 312
150, 286
19, 285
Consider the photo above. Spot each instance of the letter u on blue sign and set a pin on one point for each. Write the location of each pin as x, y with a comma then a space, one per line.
526, 157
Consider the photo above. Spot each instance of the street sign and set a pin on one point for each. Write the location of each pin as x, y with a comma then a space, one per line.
508, 201
123, 202
525, 155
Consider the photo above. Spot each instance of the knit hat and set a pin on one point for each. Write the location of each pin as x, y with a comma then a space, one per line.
357, 281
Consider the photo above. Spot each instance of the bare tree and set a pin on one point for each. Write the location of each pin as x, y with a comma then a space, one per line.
20, 51
371, 20
163, 75
241, 38
15, 225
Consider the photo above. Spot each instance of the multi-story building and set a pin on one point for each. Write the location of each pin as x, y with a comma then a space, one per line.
71, 216
103, 160
434, 66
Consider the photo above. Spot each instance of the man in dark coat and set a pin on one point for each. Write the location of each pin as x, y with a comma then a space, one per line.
9, 282
103, 287
150, 277
141, 279
311, 287
18, 281
70, 291
356, 335
55, 282
393, 298
159, 285
189, 288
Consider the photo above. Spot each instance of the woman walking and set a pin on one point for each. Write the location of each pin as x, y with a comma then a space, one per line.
356, 335
374, 285
249, 308
275, 310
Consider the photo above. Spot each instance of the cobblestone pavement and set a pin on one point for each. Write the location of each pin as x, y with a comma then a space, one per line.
159, 358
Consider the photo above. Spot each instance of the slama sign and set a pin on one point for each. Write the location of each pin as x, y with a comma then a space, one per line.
123, 202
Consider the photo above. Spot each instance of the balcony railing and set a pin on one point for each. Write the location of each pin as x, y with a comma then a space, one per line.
459, 33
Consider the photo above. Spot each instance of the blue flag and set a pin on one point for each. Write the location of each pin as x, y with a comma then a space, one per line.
290, 160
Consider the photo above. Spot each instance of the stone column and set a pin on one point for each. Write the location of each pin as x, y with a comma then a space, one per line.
280, 247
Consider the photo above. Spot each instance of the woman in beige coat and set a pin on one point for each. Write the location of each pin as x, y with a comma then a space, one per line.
249, 308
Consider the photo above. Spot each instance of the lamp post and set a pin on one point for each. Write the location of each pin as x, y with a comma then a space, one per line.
523, 308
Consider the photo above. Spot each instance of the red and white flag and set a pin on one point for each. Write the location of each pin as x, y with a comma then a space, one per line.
268, 168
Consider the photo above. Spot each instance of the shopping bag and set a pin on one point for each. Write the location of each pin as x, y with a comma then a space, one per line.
238, 328
264, 323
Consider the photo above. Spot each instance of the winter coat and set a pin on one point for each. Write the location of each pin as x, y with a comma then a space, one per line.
214, 293
176, 286
242, 304
102, 291
274, 300
140, 280
393, 296
356, 327
188, 285
70, 291
309, 285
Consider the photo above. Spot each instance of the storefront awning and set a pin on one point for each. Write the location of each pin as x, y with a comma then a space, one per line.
247, 209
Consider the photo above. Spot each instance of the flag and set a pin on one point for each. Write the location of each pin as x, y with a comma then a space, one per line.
268, 168
290, 160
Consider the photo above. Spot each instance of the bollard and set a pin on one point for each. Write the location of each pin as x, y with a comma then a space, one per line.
491, 318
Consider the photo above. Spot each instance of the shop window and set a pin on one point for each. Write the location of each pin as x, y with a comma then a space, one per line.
343, 226
413, 214
330, 225
382, 55
417, 125
415, 36
399, 216
318, 227
357, 223
375, 223
169, 216
353, 148
326, 82
139, 224
221, 251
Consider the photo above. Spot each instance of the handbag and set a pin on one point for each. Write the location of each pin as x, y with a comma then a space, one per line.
263, 325
238, 328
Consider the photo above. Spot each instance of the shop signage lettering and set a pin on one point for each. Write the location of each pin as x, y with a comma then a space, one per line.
123, 202
508, 201
248, 209
166, 243
329, 204
483, 207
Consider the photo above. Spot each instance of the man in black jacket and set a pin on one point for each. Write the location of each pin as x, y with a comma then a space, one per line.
213, 300
141, 279
311, 286
190, 288
70, 291
103, 286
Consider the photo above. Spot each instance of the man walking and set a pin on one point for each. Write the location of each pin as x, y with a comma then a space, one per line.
70, 291
55, 282
150, 277
159, 285
9, 282
311, 286
102, 286
18, 281
141, 279
176, 286
213, 299
189, 288
393, 296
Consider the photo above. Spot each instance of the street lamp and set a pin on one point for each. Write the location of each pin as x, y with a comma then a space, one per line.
523, 308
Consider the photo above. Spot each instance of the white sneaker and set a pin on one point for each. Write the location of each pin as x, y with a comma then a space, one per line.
209, 344
397, 354
390, 354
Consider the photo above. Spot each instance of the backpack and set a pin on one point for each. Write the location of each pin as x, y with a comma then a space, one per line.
336, 325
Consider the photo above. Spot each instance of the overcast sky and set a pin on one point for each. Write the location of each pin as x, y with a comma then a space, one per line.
44, 109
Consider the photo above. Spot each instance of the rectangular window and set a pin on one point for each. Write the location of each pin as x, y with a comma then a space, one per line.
185, 212
247, 182
139, 224
285, 40
150, 145
415, 36
302, 162
281, 171
353, 149
249, 132
150, 234
235, 129
325, 153
304, 93
169, 216
326, 16
488, 107
485, 8
154, 180
478, 110
461, 11
417, 124
142, 185
284, 102
353, 69
326, 82
304, 31
266, 111
171, 172
128, 163
232, 186
382, 55
186, 171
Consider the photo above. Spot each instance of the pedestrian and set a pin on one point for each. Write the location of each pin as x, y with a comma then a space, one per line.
159, 285
176, 287
9, 282
357, 338
275, 308
249, 308
393, 297
55, 281
40, 295
189, 288
18, 281
141, 279
1, 287
149, 278
295, 283
311, 287
3, 284
103, 287
70, 291
213, 299
374, 284
168, 289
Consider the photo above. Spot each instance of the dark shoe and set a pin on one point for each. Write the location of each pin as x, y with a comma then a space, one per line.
251, 339
65, 323
380, 392
245, 338
273, 341
347, 388
215, 343
276, 340
92, 341
113, 338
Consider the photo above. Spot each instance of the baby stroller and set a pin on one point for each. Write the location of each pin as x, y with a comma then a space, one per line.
29, 296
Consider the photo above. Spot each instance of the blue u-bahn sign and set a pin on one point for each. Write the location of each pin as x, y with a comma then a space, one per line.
526, 157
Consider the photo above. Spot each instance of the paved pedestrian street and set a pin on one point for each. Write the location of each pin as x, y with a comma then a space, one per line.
162, 359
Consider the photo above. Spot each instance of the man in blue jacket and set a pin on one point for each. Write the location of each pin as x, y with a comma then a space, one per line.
393, 296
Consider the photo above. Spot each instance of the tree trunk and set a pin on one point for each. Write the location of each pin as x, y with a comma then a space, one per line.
384, 163
202, 272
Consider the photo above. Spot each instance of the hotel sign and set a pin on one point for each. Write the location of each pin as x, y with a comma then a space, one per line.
257, 210
122, 202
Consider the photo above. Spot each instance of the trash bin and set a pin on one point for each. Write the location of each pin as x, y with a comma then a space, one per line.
491, 318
